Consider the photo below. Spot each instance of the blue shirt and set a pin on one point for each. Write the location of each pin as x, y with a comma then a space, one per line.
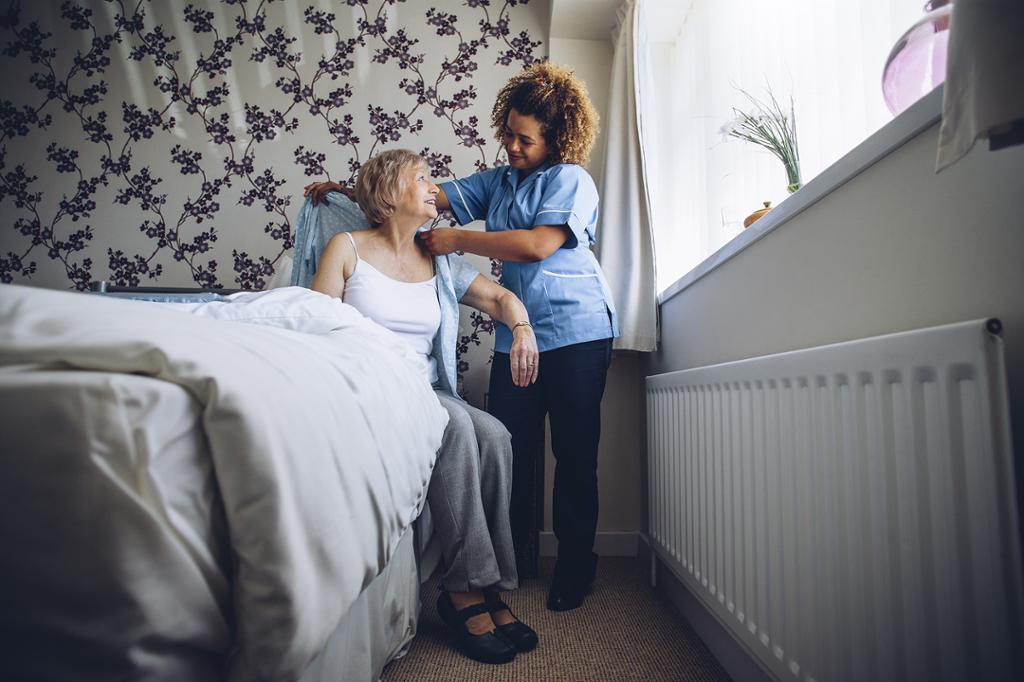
317, 224
565, 294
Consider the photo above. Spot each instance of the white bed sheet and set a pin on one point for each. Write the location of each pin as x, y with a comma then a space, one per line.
322, 443
114, 565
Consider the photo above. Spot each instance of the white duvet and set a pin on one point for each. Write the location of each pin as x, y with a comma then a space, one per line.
321, 430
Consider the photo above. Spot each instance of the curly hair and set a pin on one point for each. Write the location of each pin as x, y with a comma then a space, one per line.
381, 183
559, 101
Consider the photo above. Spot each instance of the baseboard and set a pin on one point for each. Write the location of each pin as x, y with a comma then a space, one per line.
737, 660
607, 543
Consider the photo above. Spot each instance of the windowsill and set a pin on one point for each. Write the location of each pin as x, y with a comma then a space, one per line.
922, 115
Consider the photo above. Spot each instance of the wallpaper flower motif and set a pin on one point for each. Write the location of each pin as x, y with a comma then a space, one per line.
162, 142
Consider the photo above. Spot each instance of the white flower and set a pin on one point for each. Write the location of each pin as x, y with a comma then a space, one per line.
727, 129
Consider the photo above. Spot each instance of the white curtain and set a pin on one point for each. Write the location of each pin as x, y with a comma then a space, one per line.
984, 75
625, 246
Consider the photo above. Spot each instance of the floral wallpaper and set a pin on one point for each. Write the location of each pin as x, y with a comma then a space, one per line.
158, 142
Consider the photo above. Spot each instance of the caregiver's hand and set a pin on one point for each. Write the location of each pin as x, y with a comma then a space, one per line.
317, 191
441, 240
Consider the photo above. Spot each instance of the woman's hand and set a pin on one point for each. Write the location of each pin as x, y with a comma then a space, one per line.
317, 191
524, 356
441, 240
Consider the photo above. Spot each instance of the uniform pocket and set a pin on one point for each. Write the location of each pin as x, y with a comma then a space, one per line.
573, 293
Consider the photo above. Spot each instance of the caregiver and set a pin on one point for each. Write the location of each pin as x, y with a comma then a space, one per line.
540, 213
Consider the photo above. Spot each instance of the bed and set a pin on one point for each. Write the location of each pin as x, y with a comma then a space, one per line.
217, 490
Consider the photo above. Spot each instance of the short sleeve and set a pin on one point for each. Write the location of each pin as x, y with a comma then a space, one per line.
470, 197
569, 198
463, 274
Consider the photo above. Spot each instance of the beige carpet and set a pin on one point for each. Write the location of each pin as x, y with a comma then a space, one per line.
625, 631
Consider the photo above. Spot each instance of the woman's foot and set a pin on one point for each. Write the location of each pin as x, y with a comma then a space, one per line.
467, 614
514, 630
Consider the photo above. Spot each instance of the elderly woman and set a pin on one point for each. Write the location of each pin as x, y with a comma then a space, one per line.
387, 275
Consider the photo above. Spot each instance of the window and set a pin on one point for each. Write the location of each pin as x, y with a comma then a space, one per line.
828, 54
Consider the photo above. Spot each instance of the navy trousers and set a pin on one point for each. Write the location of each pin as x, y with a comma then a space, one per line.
568, 391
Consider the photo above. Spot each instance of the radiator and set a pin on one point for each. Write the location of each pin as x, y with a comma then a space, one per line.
848, 512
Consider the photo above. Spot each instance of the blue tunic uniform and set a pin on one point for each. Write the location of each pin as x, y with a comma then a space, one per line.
566, 293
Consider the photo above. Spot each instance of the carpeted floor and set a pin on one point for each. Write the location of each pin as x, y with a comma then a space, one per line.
625, 631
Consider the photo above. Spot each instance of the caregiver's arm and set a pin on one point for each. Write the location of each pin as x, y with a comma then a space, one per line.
520, 246
442, 202
503, 305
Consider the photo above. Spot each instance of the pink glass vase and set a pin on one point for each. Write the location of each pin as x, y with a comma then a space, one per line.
917, 62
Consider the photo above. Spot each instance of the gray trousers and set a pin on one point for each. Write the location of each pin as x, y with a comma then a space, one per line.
469, 496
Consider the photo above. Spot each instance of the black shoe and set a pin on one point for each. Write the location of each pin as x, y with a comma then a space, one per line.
521, 635
572, 582
490, 647
567, 597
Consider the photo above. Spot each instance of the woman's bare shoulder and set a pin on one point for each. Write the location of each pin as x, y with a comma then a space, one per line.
339, 248
361, 236
341, 239
338, 244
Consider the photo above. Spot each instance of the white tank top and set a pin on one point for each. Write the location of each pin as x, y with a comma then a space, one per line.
409, 309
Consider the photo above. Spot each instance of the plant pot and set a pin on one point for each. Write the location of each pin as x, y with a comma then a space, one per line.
749, 220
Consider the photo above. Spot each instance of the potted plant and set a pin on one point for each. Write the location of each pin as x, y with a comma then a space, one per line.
768, 126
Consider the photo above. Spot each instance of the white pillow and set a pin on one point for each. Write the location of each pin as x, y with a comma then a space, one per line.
295, 308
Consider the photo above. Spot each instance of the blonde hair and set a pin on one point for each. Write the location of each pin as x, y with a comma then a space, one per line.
559, 101
381, 183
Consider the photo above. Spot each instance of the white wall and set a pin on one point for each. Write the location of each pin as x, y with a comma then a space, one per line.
896, 248
592, 62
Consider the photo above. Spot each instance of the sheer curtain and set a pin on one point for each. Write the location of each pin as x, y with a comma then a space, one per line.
827, 54
625, 245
